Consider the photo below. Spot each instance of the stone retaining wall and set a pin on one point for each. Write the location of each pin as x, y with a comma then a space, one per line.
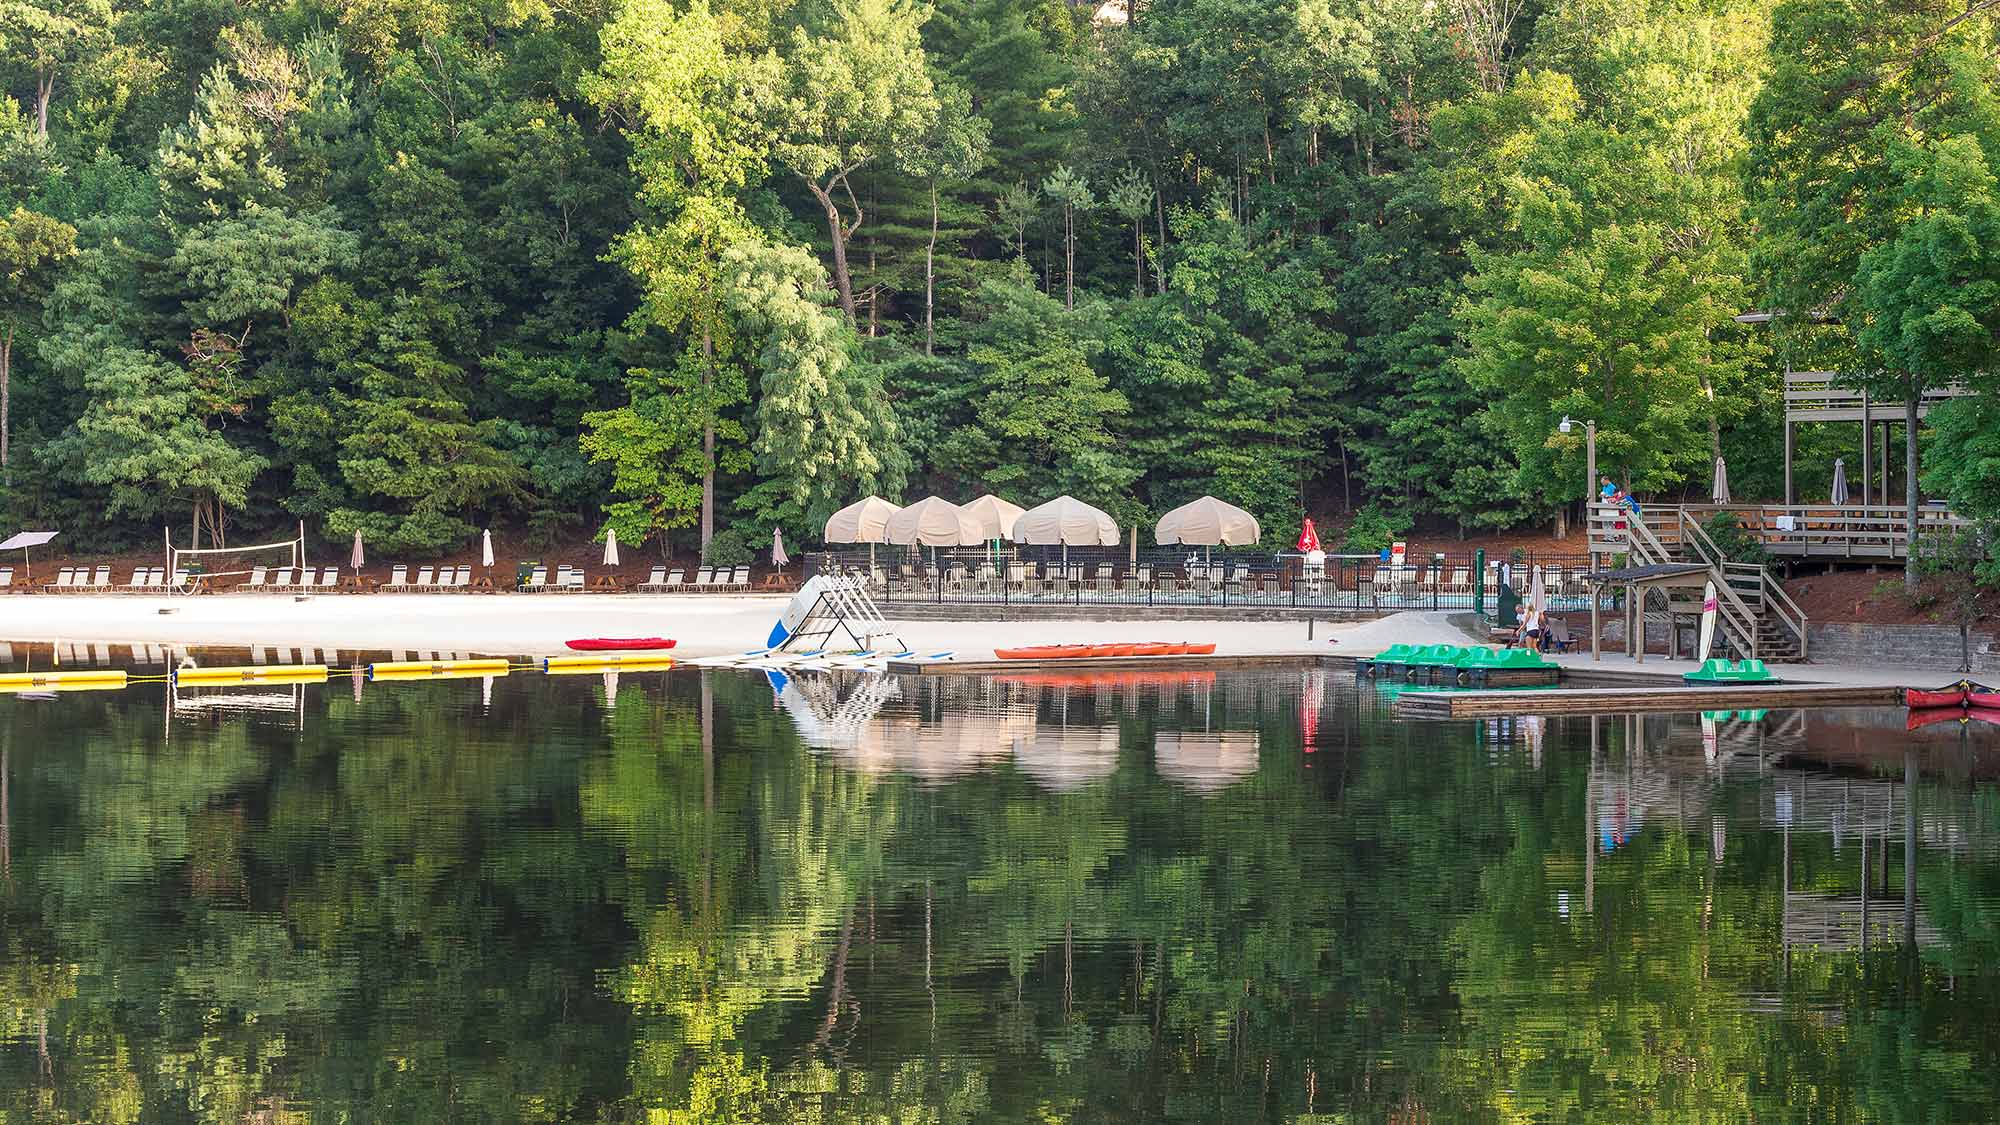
1915, 646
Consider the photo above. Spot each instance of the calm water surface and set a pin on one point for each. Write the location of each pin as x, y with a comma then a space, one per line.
709, 897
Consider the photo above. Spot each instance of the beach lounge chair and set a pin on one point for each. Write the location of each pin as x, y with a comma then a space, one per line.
464, 576
256, 581
180, 581
538, 579
281, 579
329, 578
426, 578
65, 578
1552, 583
561, 580
654, 580
741, 579
1136, 581
573, 582
704, 579
6, 578
676, 581
399, 577
137, 581
1167, 586
1461, 582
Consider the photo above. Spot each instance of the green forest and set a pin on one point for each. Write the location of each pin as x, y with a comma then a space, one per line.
688, 267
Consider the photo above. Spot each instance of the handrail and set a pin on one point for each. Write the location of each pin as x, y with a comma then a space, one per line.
1795, 620
1781, 606
1731, 610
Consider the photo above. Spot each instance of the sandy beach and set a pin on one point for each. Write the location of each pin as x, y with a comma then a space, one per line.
703, 625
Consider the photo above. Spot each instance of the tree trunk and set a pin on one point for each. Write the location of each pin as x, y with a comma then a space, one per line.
1160, 225
874, 296
838, 232
1069, 257
1910, 483
6, 396
930, 274
45, 88
1138, 257
707, 440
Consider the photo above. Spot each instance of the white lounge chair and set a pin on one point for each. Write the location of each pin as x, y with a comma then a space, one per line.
426, 579
256, 581
65, 578
655, 579
282, 579
6, 578
538, 579
447, 579
137, 581
573, 582
399, 577
329, 578
704, 578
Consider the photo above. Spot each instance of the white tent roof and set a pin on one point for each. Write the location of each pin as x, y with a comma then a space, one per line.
1068, 521
1208, 522
933, 522
863, 521
22, 540
994, 516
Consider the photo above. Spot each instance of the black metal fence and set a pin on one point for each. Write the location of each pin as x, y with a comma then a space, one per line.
1010, 574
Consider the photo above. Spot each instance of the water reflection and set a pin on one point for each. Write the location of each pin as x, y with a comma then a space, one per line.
722, 897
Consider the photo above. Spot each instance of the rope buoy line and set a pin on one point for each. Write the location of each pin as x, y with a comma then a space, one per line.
191, 674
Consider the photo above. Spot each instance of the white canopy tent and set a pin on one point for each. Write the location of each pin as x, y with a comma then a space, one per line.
1208, 522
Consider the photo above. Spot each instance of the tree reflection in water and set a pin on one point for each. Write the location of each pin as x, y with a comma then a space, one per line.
693, 898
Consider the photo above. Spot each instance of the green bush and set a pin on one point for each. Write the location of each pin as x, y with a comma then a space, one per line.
1374, 529
1736, 544
728, 547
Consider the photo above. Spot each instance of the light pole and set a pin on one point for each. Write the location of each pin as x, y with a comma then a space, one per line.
1589, 469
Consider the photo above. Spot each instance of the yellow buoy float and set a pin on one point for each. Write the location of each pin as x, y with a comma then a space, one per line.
253, 674
606, 662
436, 669
93, 680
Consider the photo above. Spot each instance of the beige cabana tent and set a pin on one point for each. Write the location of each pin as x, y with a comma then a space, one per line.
1068, 521
1208, 522
933, 522
864, 521
994, 516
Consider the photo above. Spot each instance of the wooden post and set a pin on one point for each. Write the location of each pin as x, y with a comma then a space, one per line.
1789, 494
1867, 452
1596, 643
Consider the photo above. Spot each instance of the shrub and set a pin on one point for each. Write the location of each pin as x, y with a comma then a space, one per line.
1373, 529
1736, 544
728, 547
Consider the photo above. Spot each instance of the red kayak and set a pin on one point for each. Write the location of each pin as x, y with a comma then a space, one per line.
618, 644
1917, 699
1929, 715
1982, 697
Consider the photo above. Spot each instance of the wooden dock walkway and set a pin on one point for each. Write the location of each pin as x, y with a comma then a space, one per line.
1625, 700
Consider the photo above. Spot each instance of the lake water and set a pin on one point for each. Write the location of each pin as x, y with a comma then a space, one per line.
709, 897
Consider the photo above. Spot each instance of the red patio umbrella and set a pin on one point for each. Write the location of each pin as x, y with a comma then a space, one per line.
1308, 537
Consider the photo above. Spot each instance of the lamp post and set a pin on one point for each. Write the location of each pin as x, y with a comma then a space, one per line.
1589, 468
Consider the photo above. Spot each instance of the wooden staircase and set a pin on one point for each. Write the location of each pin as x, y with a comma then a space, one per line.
1755, 617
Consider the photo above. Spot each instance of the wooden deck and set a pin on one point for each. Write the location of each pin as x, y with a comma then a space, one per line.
1625, 700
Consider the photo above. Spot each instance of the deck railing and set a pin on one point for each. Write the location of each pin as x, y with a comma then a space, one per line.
1830, 531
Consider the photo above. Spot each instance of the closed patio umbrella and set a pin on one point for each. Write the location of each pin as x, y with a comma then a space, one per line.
1208, 522
1839, 492
486, 548
1720, 493
778, 556
932, 522
355, 558
994, 516
611, 547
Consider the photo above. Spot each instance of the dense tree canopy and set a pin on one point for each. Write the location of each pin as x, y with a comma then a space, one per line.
681, 264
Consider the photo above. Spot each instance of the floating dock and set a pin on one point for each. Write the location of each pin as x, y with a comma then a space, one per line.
1624, 700
1214, 662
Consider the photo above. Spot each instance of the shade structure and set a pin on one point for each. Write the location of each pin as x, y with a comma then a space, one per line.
1208, 522
778, 555
486, 548
864, 521
932, 522
355, 558
995, 516
1720, 493
611, 547
1068, 521
1839, 493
